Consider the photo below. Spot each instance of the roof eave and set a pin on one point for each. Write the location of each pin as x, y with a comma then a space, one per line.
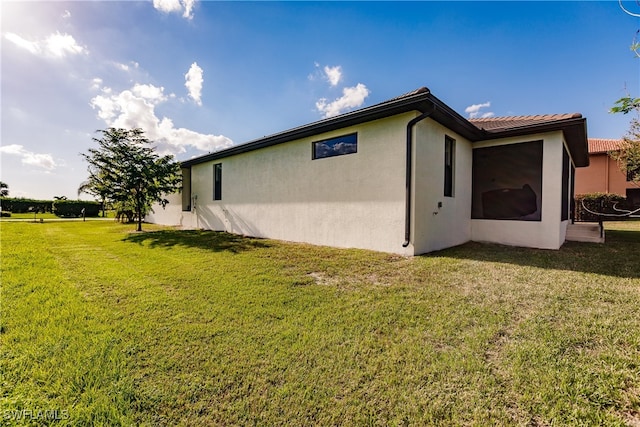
421, 101
575, 134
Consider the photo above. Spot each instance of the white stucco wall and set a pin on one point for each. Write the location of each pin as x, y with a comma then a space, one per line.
450, 225
172, 213
354, 200
549, 233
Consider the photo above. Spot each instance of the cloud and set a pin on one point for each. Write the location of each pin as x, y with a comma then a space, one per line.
333, 74
169, 6
135, 108
351, 97
44, 161
474, 110
193, 82
56, 45
23, 43
66, 14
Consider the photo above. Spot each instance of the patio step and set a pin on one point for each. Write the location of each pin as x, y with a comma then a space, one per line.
584, 232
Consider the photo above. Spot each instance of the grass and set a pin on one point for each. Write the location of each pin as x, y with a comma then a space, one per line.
109, 327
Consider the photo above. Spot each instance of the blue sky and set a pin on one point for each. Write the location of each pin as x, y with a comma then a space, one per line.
199, 76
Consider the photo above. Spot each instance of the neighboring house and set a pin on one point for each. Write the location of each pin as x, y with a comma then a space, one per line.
406, 176
603, 175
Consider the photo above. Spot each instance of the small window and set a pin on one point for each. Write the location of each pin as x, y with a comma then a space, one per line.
347, 144
633, 172
449, 165
217, 181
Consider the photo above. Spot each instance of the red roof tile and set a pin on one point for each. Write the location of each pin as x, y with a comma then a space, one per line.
493, 124
601, 145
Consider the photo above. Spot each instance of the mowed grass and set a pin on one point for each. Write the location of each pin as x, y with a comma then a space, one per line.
110, 327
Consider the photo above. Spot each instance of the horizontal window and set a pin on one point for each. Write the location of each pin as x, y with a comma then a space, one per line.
347, 144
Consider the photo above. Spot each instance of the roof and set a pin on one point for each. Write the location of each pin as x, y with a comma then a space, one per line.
494, 124
601, 145
422, 100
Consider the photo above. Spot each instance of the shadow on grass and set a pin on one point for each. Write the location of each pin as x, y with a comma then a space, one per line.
210, 240
618, 257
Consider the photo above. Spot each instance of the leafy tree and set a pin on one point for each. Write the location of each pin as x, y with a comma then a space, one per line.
126, 170
4, 189
628, 157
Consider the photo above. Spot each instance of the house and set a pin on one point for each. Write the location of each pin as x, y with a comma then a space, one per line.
406, 176
603, 175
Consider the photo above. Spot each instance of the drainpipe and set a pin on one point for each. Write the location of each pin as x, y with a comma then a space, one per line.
408, 178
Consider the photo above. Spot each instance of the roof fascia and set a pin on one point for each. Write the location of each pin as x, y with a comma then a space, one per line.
418, 102
575, 134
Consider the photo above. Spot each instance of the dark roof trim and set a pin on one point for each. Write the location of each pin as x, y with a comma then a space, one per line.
420, 100
417, 100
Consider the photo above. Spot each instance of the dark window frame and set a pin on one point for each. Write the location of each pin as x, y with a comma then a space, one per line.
449, 166
217, 181
316, 154
524, 173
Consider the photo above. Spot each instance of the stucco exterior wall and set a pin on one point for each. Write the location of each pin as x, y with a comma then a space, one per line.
603, 175
354, 200
449, 225
550, 231
172, 213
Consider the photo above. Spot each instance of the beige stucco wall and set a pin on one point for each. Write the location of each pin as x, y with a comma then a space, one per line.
354, 200
549, 233
358, 200
450, 225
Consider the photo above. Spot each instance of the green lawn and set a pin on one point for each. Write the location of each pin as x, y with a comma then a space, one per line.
103, 326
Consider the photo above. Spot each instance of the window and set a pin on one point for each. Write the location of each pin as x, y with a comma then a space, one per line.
566, 170
449, 162
339, 146
507, 182
633, 173
217, 181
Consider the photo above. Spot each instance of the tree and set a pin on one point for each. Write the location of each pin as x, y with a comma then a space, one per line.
628, 157
4, 189
126, 170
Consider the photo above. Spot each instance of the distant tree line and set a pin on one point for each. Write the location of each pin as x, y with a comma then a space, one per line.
61, 208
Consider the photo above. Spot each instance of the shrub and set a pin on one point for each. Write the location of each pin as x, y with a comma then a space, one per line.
20, 205
599, 207
73, 208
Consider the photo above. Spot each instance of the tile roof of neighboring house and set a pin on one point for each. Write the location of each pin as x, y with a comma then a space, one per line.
493, 124
601, 145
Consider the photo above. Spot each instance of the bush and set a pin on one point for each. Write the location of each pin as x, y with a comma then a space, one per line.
25, 205
73, 208
602, 206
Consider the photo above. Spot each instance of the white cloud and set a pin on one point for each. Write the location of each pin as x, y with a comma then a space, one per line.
351, 97
188, 8
193, 82
96, 83
61, 44
135, 108
23, 43
474, 110
333, 74
149, 92
44, 161
66, 14
56, 45
169, 6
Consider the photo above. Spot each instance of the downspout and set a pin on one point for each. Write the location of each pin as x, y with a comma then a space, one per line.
409, 174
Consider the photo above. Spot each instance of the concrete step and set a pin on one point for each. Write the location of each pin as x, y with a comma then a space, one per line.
586, 232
